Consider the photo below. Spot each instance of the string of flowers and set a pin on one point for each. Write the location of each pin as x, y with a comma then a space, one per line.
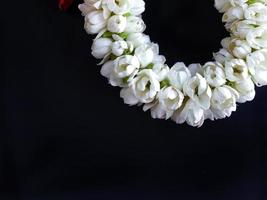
183, 93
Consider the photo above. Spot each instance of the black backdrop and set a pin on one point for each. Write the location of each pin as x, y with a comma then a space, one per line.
71, 137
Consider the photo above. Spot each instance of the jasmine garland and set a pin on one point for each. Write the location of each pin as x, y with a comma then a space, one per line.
184, 94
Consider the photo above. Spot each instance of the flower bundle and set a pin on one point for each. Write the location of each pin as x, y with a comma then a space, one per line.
183, 93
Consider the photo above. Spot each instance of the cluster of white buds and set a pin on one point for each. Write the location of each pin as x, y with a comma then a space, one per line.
183, 93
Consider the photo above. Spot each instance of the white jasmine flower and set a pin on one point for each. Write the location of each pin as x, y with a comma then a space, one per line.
146, 53
101, 47
126, 66
225, 5
214, 74
171, 99
257, 64
195, 68
198, 90
238, 2
256, 12
119, 47
239, 48
128, 97
117, 24
137, 7
191, 113
118, 7
145, 86
121, 71
222, 56
88, 6
246, 90
236, 70
178, 75
257, 38
226, 43
95, 22
161, 70
222, 5
138, 39
107, 69
159, 59
135, 25
241, 29
157, 111
232, 14
223, 102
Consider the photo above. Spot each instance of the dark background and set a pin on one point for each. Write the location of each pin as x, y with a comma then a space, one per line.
69, 135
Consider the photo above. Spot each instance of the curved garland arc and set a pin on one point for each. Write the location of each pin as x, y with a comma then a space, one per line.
183, 93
